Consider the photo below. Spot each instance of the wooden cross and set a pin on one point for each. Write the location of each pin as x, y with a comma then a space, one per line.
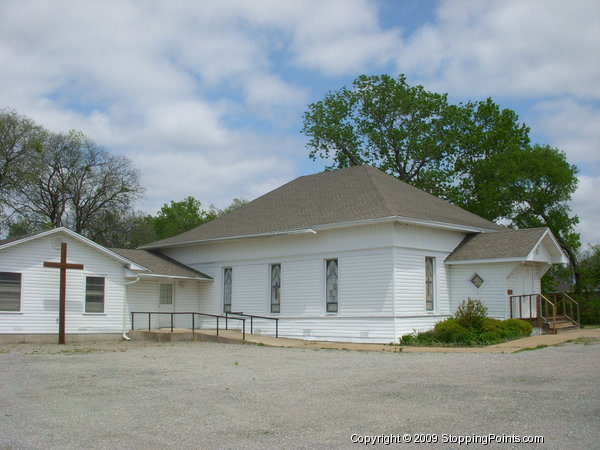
63, 266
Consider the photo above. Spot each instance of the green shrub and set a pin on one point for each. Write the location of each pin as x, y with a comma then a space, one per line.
470, 313
419, 338
519, 327
491, 325
449, 330
408, 339
487, 332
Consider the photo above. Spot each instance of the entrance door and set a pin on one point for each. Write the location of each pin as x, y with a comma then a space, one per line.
165, 304
525, 285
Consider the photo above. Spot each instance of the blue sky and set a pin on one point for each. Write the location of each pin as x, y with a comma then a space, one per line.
206, 97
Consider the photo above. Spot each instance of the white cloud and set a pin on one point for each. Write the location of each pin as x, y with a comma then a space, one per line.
572, 126
342, 37
586, 204
509, 47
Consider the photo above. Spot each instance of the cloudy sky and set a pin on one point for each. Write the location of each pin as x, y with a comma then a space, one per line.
206, 97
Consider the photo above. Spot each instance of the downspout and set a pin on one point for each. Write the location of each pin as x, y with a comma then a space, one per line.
125, 337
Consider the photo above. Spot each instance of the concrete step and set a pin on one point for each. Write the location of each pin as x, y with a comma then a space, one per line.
181, 334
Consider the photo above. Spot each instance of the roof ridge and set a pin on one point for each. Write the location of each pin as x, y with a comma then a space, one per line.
378, 190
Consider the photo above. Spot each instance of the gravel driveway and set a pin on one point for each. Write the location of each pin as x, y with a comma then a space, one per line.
208, 395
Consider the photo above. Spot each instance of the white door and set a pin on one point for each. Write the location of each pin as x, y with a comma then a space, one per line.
166, 303
525, 285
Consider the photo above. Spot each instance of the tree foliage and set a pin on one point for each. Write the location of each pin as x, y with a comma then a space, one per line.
178, 217
589, 263
403, 130
62, 179
20, 144
475, 154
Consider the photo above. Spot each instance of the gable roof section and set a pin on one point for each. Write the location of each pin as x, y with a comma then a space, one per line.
159, 265
334, 197
508, 245
10, 242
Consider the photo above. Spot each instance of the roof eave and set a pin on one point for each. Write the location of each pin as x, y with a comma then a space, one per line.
329, 226
174, 277
487, 261
230, 238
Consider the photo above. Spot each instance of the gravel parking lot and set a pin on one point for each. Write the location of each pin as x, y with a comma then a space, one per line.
208, 395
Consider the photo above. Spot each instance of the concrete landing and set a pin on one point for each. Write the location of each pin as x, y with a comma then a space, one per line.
235, 337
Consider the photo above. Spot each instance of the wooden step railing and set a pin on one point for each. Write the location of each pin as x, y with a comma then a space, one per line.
560, 308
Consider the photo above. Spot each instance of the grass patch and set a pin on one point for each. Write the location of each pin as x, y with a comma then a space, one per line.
584, 341
528, 349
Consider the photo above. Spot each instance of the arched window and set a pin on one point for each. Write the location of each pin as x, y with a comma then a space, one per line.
331, 289
275, 288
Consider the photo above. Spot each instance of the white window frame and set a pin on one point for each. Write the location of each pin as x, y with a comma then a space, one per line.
160, 298
224, 271
85, 308
20, 293
433, 284
271, 304
337, 289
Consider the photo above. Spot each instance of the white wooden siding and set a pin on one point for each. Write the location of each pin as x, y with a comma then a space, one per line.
366, 284
426, 239
302, 288
40, 289
493, 291
409, 276
250, 288
272, 249
144, 296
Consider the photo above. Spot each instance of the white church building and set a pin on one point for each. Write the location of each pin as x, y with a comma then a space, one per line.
346, 255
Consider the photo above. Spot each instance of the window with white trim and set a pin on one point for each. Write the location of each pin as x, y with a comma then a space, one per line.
275, 288
429, 283
227, 288
10, 291
94, 294
331, 285
166, 294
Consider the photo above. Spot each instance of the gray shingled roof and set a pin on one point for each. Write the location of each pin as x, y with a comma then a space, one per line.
159, 264
498, 245
344, 195
14, 239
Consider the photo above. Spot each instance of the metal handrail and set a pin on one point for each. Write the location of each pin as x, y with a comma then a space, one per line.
548, 309
252, 316
572, 304
193, 314
545, 317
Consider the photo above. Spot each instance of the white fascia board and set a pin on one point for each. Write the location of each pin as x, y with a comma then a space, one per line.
563, 257
328, 226
230, 238
443, 225
130, 264
485, 261
173, 277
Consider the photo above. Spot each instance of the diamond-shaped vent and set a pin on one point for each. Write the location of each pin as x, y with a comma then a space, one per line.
477, 281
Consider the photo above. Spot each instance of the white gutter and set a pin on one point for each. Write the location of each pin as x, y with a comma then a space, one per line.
125, 337
173, 277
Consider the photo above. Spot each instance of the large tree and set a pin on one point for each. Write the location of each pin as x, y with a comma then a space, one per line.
401, 129
476, 155
73, 183
20, 145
